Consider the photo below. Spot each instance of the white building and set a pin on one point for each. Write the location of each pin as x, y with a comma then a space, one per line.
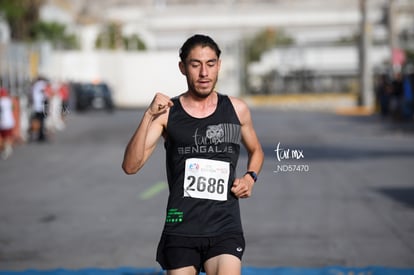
164, 25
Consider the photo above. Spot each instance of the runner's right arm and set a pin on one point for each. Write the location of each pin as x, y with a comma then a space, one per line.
144, 140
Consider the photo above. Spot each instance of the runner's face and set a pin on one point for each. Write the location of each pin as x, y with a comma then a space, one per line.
201, 69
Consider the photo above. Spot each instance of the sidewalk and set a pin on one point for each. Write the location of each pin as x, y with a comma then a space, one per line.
304, 102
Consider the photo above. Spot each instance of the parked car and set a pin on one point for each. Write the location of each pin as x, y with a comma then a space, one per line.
92, 96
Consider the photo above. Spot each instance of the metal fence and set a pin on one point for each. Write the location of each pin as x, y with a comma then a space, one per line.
17, 67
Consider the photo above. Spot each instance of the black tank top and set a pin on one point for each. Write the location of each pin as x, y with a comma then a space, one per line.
201, 158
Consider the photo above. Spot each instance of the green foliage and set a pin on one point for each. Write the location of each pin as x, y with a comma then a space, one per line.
55, 33
23, 18
134, 43
348, 40
48, 31
111, 38
12, 9
21, 15
265, 40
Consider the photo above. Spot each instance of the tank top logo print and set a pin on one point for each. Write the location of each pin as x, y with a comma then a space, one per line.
214, 139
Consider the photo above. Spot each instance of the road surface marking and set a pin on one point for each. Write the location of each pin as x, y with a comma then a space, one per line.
153, 190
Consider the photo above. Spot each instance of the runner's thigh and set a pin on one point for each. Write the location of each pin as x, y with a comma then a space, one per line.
224, 264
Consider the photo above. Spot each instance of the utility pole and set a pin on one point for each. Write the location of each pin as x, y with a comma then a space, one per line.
391, 25
397, 56
365, 67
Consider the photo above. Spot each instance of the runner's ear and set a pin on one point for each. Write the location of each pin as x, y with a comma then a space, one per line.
181, 65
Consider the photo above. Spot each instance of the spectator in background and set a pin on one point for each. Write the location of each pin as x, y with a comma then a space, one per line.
54, 121
408, 93
7, 123
39, 101
383, 90
396, 96
64, 94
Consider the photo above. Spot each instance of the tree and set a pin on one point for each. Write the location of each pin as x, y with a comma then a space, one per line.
21, 16
111, 38
134, 43
265, 40
23, 19
55, 33
254, 48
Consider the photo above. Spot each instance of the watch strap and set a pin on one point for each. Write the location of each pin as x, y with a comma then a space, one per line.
252, 174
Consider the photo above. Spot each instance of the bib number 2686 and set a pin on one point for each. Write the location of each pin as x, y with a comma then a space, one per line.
202, 184
206, 179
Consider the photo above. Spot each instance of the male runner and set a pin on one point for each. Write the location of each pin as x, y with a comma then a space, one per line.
202, 130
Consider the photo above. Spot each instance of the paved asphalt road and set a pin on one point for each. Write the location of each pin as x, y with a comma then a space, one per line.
349, 202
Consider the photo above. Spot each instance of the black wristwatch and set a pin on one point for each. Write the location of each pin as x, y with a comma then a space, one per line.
253, 175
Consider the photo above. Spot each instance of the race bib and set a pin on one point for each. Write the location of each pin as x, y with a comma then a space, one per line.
206, 179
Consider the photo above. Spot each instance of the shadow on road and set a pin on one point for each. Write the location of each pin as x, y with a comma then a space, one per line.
404, 195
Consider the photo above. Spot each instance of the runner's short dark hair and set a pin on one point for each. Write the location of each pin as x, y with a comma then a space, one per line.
198, 40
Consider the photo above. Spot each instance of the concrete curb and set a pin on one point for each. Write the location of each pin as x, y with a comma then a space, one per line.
320, 102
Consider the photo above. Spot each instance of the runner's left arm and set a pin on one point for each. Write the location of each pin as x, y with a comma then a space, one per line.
242, 187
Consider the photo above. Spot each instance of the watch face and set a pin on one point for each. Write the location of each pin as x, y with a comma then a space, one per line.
253, 175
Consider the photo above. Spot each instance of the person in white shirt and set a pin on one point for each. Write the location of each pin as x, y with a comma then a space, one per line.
39, 109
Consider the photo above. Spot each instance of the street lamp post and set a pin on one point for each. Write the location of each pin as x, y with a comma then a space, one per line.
365, 67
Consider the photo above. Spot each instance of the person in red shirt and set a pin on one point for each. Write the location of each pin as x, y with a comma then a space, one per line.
7, 123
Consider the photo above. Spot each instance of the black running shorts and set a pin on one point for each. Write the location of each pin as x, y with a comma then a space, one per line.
177, 251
